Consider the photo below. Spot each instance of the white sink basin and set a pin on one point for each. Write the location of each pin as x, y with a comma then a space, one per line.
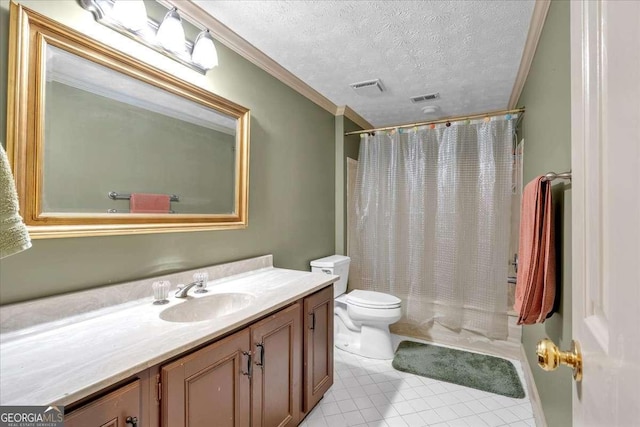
207, 308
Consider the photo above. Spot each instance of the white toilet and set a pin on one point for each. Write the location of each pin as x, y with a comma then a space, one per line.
361, 318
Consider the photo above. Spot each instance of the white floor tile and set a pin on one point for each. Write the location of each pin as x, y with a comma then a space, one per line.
397, 422
522, 411
409, 394
355, 392
458, 422
419, 405
365, 402
413, 420
379, 399
394, 396
336, 420
387, 386
353, 418
507, 416
430, 416
330, 408
403, 408
446, 413
371, 414
341, 395
434, 401
347, 406
462, 410
371, 393
491, 419
387, 410
371, 389
449, 398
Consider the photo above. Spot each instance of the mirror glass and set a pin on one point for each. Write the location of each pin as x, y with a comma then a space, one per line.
108, 135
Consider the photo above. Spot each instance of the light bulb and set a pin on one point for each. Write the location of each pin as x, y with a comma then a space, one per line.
204, 51
171, 34
131, 14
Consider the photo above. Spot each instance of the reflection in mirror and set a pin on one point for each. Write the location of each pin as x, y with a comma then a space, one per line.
102, 144
106, 131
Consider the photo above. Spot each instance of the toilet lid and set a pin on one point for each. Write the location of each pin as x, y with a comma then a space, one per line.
371, 299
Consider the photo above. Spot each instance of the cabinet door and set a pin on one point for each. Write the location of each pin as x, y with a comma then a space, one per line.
318, 346
112, 410
210, 387
277, 374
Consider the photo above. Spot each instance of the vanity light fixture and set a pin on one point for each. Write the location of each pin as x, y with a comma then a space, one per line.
129, 17
132, 14
204, 51
170, 33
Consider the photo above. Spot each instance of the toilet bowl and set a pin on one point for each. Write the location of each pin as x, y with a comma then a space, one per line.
361, 318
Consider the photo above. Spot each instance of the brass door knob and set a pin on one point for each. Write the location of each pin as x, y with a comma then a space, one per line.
550, 357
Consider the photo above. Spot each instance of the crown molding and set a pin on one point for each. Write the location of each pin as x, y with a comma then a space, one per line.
540, 10
233, 41
356, 118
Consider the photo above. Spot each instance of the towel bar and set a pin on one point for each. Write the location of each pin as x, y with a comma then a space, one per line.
124, 196
550, 176
114, 211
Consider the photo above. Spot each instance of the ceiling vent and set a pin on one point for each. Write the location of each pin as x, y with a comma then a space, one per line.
368, 88
423, 98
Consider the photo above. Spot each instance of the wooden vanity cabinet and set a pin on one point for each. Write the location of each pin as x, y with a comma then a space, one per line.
269, 374
318, 346
253, 377
120, 408
209, 387
277, 374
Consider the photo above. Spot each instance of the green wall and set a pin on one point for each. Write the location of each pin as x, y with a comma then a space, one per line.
291, 183
547, 132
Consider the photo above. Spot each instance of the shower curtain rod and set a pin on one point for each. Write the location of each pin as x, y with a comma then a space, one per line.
445, 120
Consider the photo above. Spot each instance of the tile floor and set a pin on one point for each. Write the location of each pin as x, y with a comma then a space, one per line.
371, 393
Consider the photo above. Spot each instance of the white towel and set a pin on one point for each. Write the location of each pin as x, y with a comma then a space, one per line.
14, 237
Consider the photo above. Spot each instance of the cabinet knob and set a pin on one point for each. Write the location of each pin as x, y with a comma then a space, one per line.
132, 420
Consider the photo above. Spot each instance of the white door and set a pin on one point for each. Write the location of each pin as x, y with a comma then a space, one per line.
605, 126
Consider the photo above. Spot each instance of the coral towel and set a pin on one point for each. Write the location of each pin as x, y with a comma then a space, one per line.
150, 203
536, 284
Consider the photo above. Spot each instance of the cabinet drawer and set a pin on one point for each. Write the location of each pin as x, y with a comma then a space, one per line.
111, 410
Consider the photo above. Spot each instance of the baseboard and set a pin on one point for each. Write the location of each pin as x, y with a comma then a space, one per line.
532, 390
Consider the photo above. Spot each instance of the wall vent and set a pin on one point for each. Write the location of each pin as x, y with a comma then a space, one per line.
423, 98
369, 87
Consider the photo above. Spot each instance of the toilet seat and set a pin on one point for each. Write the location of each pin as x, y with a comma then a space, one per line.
371, 299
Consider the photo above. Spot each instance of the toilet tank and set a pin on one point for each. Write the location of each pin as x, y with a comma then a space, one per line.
334, 264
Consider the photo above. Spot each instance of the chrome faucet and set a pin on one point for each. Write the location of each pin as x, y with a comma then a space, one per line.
182, 292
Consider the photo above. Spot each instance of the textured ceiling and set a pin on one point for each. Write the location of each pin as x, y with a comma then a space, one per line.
468, 51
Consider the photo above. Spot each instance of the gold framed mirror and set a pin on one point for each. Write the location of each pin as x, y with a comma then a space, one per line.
103, 144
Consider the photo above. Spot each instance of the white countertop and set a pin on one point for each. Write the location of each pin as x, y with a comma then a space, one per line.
63, 362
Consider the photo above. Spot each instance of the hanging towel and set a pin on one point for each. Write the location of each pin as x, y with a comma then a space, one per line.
14, 237
150, 203
536, 283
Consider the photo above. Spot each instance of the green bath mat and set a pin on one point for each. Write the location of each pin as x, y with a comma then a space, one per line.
473, 370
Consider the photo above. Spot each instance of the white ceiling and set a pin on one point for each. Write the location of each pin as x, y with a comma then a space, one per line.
468, 51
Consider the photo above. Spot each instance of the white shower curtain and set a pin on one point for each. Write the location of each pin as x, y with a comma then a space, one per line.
430, 223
